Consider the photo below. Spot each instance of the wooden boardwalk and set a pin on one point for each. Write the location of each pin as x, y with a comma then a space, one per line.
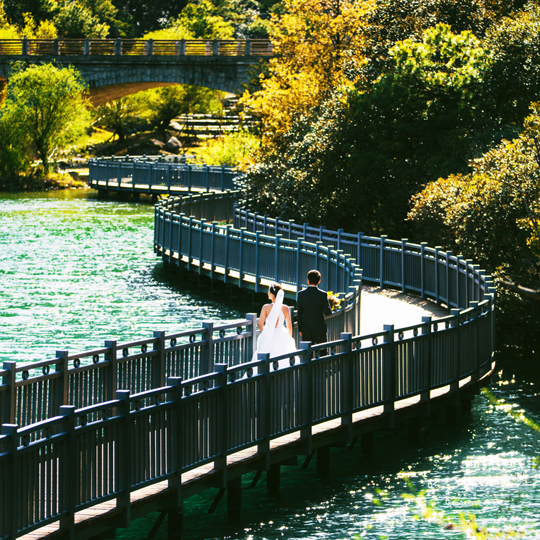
379, 307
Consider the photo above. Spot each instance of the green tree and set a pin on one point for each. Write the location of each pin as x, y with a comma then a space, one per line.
492, 215
355, 159
118, 116
76, 20
14, 158
48, 108
203, 20
39, 9
149, 15
392, 22
513, 78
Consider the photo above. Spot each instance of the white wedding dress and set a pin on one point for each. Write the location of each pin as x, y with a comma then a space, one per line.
275, 338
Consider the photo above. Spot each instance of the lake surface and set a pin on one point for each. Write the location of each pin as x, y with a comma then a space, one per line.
76, 270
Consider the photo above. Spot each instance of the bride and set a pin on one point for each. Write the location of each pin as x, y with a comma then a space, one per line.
276, 338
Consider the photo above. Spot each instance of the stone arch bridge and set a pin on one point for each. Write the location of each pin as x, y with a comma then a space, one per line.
115, 68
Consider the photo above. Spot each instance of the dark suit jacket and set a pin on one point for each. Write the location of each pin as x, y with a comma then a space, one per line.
312, 307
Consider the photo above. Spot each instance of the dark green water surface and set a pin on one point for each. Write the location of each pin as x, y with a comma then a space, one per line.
75, 270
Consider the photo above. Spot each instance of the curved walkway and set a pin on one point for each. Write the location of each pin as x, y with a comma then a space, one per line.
179, 434
387, 306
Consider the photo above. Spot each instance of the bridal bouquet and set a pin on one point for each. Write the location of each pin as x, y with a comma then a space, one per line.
334, 301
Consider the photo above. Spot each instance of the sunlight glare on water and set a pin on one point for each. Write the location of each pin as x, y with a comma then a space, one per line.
75, 271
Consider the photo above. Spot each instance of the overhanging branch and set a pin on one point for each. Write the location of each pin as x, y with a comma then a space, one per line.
524, 292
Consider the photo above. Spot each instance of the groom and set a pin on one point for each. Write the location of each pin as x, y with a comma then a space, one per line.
312, 307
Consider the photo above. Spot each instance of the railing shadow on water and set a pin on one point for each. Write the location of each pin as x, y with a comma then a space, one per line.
83, 428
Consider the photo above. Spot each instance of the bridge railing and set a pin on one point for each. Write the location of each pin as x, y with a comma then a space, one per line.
135, 47
157, 175
105, 451
416, 268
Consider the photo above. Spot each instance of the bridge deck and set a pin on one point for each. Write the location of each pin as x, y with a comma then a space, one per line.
379, 307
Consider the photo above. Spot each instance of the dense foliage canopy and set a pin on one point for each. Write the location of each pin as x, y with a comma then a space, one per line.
45, 108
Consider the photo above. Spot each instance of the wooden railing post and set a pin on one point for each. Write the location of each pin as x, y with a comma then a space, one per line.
56, 47
240, 256
247, 50
474, 305
264, 418
227, 248
449, 254
160, 360
456, 325
62, 383
276, 257
69, 473
428, 361
177, 441
9, 395
25, 46
123, 458
390, 370
86, 47
220, 464
348, 385
118, 47
307, 391
436, 269
298, 254
257, 262
202, 222
111, 379
150, 47
403, 244
459, 259
207, 354
252, 317
423, 246
215, 47
11, 482
381, 261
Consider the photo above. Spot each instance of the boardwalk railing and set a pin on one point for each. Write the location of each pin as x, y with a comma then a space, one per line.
30, 393
416, 268
85, 456
157, 175
234, 255
135, 47
81, 429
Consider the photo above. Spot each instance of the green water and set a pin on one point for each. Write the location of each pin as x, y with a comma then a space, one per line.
75, 270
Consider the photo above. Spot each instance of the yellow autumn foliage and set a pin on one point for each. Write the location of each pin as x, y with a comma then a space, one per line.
318, 47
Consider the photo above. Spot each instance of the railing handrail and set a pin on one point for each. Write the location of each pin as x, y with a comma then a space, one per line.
136, 47
127, 173
358, 243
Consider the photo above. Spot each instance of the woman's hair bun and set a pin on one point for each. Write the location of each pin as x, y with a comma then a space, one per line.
274, 288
